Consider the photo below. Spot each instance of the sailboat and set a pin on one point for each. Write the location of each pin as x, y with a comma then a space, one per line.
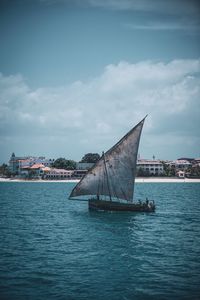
109, 184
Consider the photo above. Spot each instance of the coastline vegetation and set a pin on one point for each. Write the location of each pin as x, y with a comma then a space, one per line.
192, 171
4, 171
62, 163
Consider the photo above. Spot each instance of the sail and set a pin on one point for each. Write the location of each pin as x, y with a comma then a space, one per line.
114, 174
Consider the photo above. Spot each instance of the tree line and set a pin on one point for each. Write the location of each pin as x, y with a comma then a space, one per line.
68, 164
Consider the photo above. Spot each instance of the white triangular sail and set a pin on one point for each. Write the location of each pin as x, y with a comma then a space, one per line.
114, 174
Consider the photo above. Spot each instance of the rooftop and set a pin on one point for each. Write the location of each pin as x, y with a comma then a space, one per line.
37, 166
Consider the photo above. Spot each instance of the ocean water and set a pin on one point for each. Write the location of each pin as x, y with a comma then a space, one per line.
53, 248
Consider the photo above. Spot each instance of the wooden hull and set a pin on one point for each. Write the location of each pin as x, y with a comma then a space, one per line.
117, 206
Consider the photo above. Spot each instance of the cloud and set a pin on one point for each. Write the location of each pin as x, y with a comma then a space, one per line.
170, 7
173, 7
178, 25
172, 15
93, 115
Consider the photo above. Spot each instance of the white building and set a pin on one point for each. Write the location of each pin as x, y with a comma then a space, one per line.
196, 162
179, 164
181, 174
79, 173
150, 167
182, 164
54, 173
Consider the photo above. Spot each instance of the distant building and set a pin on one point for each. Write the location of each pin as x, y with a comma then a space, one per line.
18, 164
79, 173
180, 174
54, 173
14, 163
196, 162
150, 167
186, 158
180, 164
36, 170
42, 160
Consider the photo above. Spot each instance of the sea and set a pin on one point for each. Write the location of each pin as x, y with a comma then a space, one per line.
54, 248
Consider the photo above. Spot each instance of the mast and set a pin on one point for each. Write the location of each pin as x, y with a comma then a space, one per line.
118, 167
107, 176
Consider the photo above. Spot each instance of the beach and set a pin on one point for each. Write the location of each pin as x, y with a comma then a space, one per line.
166, 180
137, 180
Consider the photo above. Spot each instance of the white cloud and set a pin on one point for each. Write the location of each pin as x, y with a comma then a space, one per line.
93, 115
189, 27
171, 15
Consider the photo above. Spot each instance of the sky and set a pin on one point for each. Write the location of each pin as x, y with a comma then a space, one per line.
77, 75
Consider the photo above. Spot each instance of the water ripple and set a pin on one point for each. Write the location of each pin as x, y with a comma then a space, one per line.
54, 248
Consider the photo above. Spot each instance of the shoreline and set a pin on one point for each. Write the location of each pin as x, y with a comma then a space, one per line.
137, 180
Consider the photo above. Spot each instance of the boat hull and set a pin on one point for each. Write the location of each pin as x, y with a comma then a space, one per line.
94, 204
